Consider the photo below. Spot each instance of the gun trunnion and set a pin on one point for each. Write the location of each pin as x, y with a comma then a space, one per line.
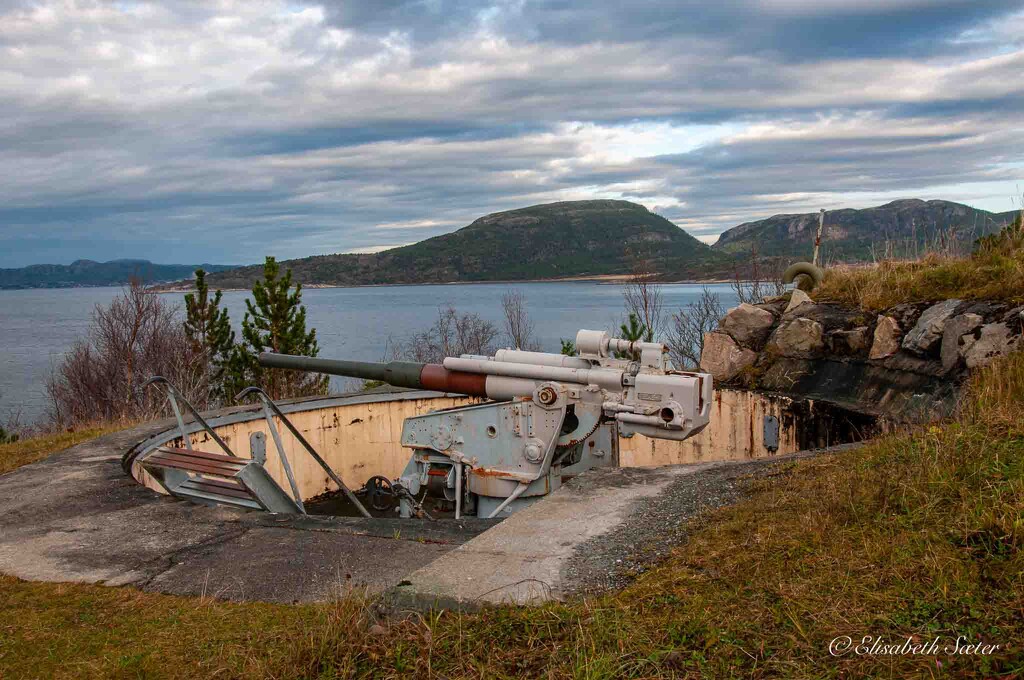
550, 416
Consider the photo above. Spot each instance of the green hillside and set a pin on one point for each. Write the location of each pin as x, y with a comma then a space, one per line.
903, 227
81, 273
556, 240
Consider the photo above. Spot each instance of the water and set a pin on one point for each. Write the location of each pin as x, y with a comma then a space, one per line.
38, 326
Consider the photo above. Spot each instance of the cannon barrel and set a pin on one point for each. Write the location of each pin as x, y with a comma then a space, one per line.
397, 373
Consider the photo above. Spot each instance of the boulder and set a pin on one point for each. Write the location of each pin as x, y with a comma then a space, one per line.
798, 298
927, 332
906, 314
748, 325
886, 340
723, 358
853, 342
801, 338
995, 339
959, 331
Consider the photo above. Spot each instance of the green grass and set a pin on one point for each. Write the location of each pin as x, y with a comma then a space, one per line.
917, 534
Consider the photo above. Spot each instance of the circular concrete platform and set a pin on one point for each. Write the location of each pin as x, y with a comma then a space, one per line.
78, 517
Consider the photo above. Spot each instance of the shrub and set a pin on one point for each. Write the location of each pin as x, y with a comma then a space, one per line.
134, 338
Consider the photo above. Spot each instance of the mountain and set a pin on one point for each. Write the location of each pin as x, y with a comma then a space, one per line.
857, 235
556, 240
89, 273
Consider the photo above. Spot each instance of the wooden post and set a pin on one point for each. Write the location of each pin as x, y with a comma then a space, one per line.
817, 238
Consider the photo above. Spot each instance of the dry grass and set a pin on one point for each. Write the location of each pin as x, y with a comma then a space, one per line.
71, 631
31, 449
917, 534
995, 271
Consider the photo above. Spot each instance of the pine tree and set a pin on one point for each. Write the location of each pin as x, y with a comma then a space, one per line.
7, 437
634, 330
209, 329
275, 321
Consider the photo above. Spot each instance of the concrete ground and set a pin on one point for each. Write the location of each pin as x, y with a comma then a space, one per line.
77, 517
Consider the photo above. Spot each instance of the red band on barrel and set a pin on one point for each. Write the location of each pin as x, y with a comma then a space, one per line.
437, 377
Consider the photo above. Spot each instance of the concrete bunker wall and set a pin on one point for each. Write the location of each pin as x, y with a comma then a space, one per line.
359, 435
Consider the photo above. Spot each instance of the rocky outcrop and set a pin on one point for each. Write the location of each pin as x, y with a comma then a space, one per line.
993, 340
908, 359
723, 358
927, 332
748, 325
796, 299
799, 337
886, 338
956, 337
853, 342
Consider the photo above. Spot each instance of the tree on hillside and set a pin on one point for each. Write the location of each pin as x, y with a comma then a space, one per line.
275, 321
209, 330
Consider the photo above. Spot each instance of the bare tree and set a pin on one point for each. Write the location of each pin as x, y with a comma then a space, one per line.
685, 338
518, 325
100, 378
451, 335
643, 299
758, 280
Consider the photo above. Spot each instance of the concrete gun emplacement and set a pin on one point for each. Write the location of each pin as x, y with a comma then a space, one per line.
550, 416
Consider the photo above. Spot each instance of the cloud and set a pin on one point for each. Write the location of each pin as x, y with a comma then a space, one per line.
194, 131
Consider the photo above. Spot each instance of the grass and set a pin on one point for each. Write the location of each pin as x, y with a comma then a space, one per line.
917, 534
995, 271
31, 449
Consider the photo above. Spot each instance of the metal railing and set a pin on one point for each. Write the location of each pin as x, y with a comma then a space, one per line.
173, 396
270, 409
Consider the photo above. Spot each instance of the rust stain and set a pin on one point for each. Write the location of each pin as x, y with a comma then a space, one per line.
484, 472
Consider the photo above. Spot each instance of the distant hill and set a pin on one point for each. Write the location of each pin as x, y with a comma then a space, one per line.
82, 273
556, 240
855, 235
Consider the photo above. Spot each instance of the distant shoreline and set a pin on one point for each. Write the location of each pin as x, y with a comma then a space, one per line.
604, 279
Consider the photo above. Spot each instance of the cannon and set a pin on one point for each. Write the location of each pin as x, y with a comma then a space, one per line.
549, 417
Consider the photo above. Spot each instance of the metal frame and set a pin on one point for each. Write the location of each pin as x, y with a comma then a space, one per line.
269, 410
173, 395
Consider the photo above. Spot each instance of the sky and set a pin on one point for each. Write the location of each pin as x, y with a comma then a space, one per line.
218, 131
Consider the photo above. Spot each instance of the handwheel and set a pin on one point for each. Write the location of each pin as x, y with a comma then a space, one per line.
380, 493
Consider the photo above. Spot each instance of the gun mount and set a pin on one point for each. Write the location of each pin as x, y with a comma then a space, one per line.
550, 416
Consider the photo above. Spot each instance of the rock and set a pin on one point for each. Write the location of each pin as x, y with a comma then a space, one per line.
995, 339
953, 338
850, 343
830, 316
907, 313
927, 332
887, 338
748, 325
1014, 319
801, 338
723, 358
799, 297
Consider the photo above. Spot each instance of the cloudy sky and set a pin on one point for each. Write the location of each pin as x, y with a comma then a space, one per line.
223, 131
